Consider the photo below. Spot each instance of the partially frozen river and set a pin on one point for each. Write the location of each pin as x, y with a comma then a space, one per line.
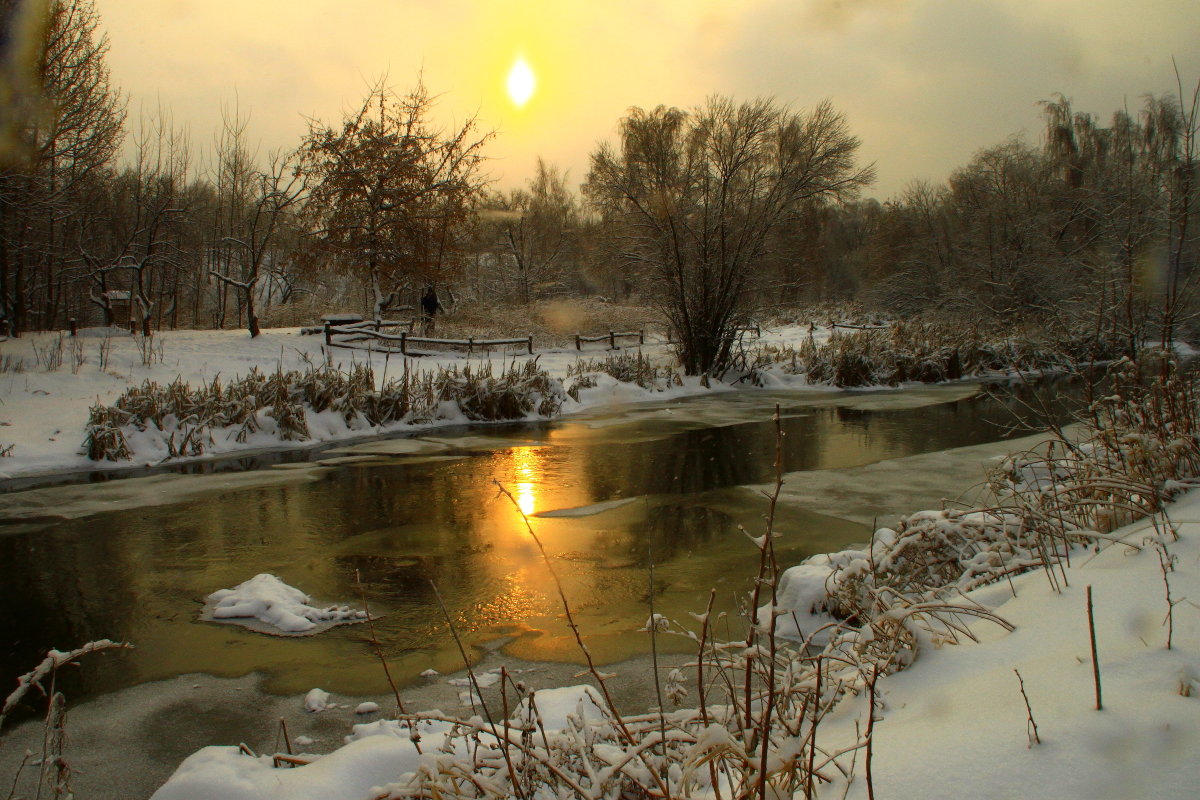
133, 559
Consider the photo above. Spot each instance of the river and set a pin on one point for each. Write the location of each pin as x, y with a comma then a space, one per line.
386, 520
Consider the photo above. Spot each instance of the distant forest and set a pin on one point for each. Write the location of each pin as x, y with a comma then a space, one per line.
716, 214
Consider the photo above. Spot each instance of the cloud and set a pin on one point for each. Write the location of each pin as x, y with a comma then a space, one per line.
924, 83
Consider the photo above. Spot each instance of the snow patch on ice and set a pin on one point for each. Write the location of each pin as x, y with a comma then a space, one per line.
588, 510
276, 607
316, 700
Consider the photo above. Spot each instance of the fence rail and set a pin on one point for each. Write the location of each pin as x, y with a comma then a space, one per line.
610, 337
848, 326
391, 342
373, 324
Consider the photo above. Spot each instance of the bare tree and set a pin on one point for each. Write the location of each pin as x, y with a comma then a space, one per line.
1181, 187
535, 227
278, 189
389, 193
63, 129
696, 196
251, 204
1131, 191
139, 241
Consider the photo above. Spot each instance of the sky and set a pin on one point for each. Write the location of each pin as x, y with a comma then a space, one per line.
924, 84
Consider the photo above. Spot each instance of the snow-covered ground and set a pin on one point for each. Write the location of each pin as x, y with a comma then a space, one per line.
44, 412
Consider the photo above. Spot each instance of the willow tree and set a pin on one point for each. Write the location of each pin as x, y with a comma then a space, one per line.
695, 199
389, 193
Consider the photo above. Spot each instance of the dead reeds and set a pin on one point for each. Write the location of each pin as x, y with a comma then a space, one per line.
933, 350
188, 419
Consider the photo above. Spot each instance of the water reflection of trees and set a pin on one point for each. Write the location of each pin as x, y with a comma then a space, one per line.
697, 460
674, 530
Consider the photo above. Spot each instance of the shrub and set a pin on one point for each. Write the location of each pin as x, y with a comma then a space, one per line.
929, 351
188, 417
626, 367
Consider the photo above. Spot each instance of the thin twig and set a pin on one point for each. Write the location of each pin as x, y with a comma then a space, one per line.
1095, 658
477, 692
626, 736
1031, 730
653, 625
378, 648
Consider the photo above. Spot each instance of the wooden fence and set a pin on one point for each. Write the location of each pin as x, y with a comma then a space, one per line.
401, 342
610, 337
848, 326
376, 325
739, 331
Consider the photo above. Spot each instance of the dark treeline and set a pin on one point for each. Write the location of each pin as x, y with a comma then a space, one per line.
716, 214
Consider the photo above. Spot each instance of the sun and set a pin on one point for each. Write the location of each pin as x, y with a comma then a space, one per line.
521, 82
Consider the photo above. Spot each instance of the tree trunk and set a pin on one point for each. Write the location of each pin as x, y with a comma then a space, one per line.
251, 315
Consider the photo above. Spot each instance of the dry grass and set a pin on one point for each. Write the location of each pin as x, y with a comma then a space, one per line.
929, 351
189, 418
752, 731
627, 367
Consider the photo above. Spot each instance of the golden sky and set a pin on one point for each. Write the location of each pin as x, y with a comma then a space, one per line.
924, 83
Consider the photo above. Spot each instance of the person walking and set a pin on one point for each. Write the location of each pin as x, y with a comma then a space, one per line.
429, 307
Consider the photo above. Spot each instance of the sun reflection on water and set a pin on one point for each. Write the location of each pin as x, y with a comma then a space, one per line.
526, 470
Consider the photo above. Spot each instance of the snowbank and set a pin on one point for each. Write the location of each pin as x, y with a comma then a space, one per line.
955, 725
376, 755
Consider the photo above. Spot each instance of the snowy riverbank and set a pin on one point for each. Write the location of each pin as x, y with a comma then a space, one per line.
952, 725
44, 410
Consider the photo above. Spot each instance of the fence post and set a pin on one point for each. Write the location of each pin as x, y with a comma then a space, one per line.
74, 326
612, 340
377, 324
328, 335
642, 336
404, 342
531, 344
470, 345
578, 346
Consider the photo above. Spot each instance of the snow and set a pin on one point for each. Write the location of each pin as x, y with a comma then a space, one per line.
282, 609
43, 413
316, 701
483, 679
589, 510
953, 724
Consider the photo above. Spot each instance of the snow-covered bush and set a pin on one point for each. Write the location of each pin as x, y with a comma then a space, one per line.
1141, 445
517, 392
184, 420
626, 367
